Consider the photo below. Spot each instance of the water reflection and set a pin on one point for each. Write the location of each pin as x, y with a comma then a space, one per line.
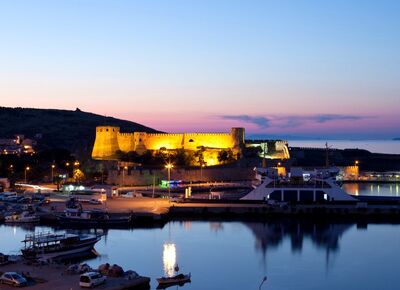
322, 235
226, 254
384, 189
169, 259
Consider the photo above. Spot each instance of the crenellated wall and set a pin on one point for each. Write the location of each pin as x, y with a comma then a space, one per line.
109, 140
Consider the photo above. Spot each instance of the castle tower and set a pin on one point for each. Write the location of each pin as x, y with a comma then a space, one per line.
106, 143
238, 138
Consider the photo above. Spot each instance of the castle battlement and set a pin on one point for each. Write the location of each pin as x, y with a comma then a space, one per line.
109, 140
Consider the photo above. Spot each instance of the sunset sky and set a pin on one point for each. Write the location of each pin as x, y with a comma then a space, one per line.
298, 68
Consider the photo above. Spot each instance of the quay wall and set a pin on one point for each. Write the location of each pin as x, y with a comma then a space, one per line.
145, 177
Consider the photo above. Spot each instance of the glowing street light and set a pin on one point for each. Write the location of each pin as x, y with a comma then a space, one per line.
356, 162
201, 170
169, 166
123, 174
26, 170
52, 172
76, 163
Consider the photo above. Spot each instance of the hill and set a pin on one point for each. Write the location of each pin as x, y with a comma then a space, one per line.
72, 130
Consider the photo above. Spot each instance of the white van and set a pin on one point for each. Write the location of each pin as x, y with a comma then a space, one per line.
91, 279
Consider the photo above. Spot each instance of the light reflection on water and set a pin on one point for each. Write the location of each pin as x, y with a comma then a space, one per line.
169, 259
237, 255
377, 189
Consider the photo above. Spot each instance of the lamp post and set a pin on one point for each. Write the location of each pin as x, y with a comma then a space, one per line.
52, 172
169, 166
123, 174
26, 170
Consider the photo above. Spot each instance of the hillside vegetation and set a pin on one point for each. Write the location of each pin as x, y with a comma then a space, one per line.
71, 130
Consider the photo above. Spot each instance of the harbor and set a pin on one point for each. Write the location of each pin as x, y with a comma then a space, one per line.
275, 248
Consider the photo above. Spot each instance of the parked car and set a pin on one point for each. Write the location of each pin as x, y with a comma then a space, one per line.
14, 279
95, 201
91, 279
131, 194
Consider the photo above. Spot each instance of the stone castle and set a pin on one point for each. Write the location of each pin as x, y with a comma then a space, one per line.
109, 140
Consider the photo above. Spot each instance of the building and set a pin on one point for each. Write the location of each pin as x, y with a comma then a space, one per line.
109, 140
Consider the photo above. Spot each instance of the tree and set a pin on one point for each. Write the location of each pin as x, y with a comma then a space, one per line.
199, 155
226, 156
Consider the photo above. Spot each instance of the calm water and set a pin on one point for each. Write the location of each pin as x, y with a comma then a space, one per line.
236, 255
383, 189
375, 146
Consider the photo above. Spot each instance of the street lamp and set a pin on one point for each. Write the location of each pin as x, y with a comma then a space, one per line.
356, 162
52, 172
169, 166
76, 163
123, 174
26, 170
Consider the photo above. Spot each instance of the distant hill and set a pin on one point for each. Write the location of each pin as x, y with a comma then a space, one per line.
396, 139
72, 130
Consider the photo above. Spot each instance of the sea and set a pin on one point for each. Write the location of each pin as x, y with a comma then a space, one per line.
234, 255
374, 146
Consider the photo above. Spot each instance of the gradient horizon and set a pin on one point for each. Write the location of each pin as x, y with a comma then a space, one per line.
299, 68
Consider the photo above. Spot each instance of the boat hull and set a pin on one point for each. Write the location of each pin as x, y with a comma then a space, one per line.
173, 280
94, 222
85, 246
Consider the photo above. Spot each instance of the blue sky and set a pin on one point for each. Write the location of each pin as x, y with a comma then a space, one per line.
310, 68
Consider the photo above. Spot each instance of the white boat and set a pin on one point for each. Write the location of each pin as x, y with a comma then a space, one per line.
178, 279
47, 246
24, 217
75, 215
317, 185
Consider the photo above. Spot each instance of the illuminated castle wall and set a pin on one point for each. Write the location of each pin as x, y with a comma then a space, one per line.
109, 140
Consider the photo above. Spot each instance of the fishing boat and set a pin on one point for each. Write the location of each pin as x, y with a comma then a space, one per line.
75, 215
92, 218
47, 246
24, 217
174, 280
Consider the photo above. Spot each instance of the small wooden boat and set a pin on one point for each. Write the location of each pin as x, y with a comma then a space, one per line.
178, 279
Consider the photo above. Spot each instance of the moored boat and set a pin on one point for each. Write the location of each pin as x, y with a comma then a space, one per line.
24, 217
177, 279
49, 246
92, 218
